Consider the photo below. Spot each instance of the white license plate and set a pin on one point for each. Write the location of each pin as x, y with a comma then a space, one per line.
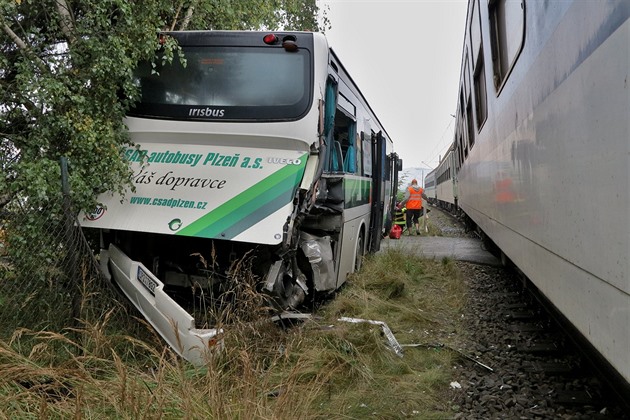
146, 281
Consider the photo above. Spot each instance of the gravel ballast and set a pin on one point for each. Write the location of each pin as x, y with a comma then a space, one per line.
517, 364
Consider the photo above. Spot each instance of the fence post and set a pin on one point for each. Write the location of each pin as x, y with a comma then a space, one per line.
73, 281
66, 205
65, 184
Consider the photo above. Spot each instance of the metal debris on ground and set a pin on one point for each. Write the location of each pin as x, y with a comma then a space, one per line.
291, 315
388, 333
461, 353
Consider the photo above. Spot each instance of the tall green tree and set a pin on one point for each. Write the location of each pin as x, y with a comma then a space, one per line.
65, 81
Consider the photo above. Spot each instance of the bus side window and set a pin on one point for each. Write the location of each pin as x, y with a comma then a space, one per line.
359, 153
343, 151
337, 155
367, 152
350, 160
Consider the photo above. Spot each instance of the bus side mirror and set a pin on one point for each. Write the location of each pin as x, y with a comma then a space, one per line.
399, 165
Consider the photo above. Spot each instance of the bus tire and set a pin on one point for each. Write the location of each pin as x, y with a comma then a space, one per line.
360, 252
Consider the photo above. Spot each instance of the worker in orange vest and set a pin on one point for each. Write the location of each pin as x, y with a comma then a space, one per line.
413, 202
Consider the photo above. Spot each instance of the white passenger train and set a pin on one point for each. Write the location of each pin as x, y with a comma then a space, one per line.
445, 185
541, 154
429, 187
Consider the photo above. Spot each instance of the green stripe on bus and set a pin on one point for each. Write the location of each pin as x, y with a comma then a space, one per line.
245, 215
246, 205
243, 218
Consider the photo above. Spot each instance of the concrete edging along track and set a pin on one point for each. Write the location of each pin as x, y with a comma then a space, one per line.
438, 247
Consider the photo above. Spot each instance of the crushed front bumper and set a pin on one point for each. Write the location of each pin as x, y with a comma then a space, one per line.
171, 321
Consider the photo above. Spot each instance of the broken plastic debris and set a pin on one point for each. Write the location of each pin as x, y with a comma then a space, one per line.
455, 385
393, 343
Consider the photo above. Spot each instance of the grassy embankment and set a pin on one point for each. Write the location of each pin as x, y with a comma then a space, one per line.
322, 368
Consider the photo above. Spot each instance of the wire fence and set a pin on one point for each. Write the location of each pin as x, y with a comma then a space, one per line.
49, 275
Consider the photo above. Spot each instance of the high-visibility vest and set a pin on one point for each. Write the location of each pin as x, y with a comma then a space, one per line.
415, 198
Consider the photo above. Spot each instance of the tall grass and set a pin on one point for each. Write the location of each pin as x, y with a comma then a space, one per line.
322, 368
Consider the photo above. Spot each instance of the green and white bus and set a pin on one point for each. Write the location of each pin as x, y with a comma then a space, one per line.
247, 145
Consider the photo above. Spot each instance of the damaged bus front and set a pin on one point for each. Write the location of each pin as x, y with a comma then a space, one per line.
247, 146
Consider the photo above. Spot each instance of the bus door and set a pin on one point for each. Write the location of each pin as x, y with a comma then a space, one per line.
395, 166
379, 157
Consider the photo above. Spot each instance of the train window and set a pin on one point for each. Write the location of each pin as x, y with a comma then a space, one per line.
469, 124
475, 33
463, 142
479, 80
466, 72
507, 24
458, 157
479, 76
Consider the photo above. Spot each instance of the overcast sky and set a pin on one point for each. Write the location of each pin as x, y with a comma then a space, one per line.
405, 57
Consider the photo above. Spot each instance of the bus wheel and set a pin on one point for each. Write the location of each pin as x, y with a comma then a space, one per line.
358, 258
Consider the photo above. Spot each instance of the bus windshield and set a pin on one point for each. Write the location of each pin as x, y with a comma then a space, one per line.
226, 83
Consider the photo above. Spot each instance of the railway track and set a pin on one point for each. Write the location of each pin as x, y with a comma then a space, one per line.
534, 369
528, 366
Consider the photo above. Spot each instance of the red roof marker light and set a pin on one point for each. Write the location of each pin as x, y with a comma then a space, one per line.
270, 39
